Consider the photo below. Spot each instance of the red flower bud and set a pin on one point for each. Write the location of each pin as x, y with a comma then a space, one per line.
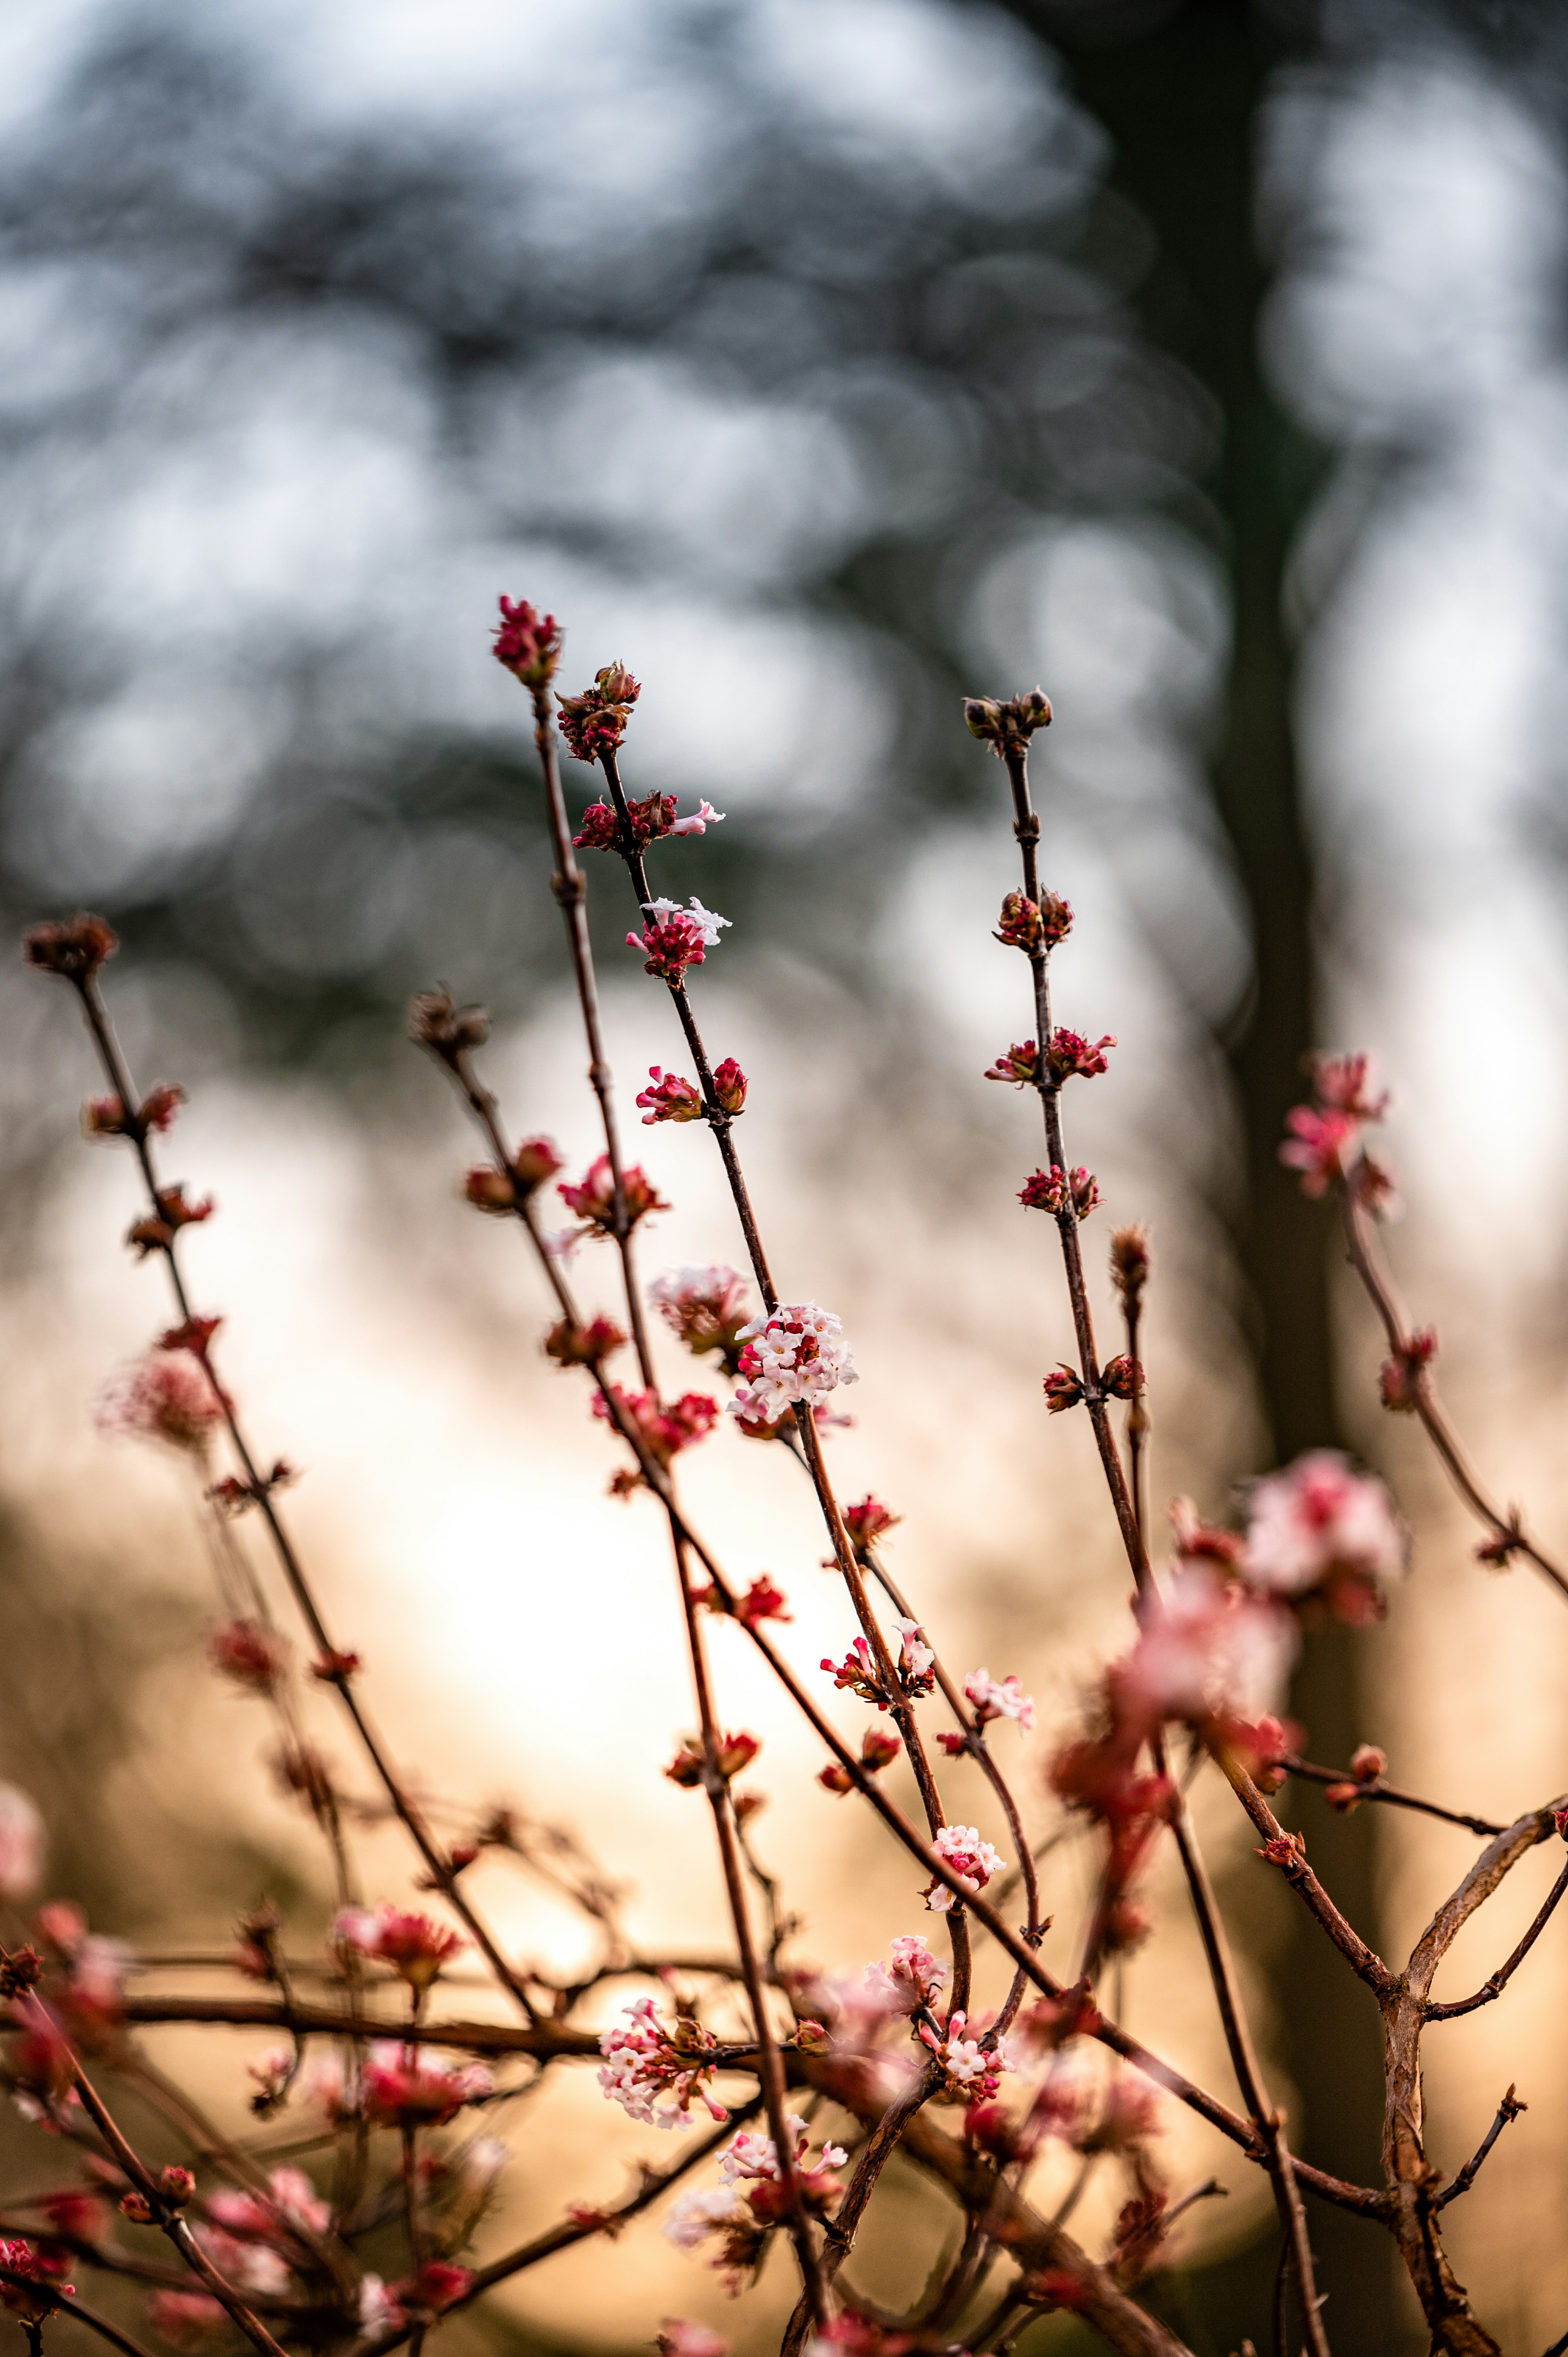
1062, 1389
1368, 1763
528, 644
74, 948
730, 1085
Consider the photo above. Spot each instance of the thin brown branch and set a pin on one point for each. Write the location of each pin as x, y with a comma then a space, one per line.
1375, 1789
1508, 2109
1507, 1533
1493, 1988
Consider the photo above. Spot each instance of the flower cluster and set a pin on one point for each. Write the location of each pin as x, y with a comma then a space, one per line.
528, 644
107, 1116
32, 2280
1326, 1143
706, 1307
1031, 925
867, 1520
389, 2308
1060, 1191
973, 1861
1321, 1530
1402, 1378
974, 2068
579, 1345
754, 2198
912, 1982
732, 1754
1069, 1052
657, 2074
414, 1945
74, 947
254, 1656
914, 1666
594, 722
670, 1098
998, 1698
674, 938
664, 1428
166, 1395
401, 2086
794, 1354
593, 1197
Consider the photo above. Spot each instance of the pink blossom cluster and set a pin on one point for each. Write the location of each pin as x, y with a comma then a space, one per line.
1325, 1142
414, 1946
656, 2074
1058, 1190
914, 1666
795, 1354
664, 1427
971, 2066
705, 1306
674, 938
1069, 1052
972, 1861
913, 1981
594, 722
528, 644
999, 1698
166, 1395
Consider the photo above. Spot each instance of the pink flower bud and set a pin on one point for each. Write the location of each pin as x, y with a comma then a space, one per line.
669, 1098
1287, 1850
1063, 1390
1400, 1385
730, 1085
1059, 1192
528, 644
177, 2185
254, 1657
1368, 1763
762, 1601
1120, 1378
834, 1779
489, 1190
1069, 1053
1018, 1066
879, 1747
583, 1346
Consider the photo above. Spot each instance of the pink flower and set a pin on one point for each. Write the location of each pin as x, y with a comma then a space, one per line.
1069, 1054
699, 821
21, 1844
1401, 1377
733, 1755
1319, 1529
679, 2337
968, 2064
1341, 1084
796, 1353
404, 2088
912, 1980
166, 1395
1206, 1651
191, 2320
868, 1520
647, 2062
1060, 1190
31, 2280
596, 721
674, 938
762, 1601
528, 644
414, 1945
593, 1196
706, 1307
583, 1346
1019, 1065
669, 1098
663, 1429
1322, 1147
973, 1861
730, 1085
999, 1698
253, 1657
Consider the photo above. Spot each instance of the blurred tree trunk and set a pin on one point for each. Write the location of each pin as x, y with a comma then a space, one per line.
1179, 96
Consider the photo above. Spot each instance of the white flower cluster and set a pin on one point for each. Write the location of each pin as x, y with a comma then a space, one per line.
913, 1978
1000, 1699
797, 1353
706, 922
972, 1861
